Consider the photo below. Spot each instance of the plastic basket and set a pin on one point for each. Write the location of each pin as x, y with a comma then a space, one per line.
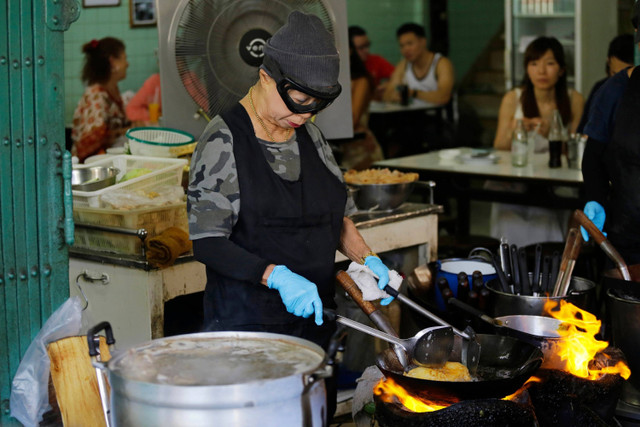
153, 219
164, 172
160, 142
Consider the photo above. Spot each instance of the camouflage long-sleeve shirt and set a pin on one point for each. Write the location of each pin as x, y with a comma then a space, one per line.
213, 197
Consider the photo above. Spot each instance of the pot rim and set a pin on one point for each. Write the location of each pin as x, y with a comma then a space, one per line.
622, 300
573, 292
112, 371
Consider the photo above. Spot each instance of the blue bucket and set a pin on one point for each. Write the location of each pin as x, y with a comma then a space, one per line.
449, 269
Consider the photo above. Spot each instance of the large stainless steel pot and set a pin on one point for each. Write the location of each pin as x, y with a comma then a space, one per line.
218, 378
582, 293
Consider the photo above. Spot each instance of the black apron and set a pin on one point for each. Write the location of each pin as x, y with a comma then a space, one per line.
623, 164
291, 223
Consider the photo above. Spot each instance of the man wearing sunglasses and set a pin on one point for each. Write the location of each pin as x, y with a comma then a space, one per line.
267, 203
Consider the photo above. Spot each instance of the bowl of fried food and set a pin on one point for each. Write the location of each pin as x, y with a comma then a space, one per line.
380, 189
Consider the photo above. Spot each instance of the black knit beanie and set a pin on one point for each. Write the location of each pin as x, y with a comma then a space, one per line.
305, 52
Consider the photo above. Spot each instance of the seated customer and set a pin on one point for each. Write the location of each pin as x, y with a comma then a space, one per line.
99, 118
619, 57
429, 75
361, 152
138, 107
429, 78
379, 68
544, 89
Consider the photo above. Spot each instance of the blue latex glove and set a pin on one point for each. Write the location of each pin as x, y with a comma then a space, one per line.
595, 212
299, 295
376, 265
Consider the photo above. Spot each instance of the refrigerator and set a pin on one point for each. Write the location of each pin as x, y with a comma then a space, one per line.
583, 27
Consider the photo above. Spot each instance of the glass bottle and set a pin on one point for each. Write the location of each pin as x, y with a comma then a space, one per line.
519, 145
556, 137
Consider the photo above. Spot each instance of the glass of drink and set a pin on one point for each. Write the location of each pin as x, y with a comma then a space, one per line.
154, 112
555, 153
519, 145
404, 94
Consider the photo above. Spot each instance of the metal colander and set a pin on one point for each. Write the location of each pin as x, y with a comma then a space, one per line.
159, 136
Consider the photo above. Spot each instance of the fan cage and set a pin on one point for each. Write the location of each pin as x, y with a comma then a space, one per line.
206, 42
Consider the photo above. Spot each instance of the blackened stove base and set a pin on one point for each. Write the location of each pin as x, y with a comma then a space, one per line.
562, 399
470, 413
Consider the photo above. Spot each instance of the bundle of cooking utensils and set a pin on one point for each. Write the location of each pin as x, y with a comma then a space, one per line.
549, 275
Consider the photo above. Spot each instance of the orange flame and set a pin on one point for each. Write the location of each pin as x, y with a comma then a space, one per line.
387, 389
577, 345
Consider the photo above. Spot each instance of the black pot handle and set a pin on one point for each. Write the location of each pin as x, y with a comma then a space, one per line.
92, 335
472, 310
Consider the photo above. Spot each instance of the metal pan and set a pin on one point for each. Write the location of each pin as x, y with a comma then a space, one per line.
505, 364
386, 197
539, 331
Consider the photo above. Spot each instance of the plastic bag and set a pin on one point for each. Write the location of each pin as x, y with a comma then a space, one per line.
134, 199
30, 386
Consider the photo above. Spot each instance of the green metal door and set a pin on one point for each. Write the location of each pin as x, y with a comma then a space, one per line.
34, 232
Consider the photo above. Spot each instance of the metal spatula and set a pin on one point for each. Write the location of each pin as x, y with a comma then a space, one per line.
429, 347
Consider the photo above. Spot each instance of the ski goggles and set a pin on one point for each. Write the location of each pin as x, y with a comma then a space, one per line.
298, 98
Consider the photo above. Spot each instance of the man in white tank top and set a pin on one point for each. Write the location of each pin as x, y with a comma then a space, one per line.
429, 75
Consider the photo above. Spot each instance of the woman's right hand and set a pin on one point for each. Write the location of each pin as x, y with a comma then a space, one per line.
299, 295
537, 123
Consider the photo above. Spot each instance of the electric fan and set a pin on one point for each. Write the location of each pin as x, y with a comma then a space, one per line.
210, 51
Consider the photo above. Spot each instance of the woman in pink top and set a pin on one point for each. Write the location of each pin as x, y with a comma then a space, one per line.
99, 118
138, 107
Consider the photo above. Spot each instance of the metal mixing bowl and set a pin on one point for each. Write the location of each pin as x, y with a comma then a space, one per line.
93, 178
382, 197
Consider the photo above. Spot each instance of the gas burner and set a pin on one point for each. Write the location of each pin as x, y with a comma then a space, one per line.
468, 413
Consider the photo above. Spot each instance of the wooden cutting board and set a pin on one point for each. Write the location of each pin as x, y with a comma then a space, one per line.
75, 382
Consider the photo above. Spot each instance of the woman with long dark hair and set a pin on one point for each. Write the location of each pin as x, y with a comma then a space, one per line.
544, 89
99, 118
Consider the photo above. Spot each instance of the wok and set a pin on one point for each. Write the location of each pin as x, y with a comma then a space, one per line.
386, 197
505, 364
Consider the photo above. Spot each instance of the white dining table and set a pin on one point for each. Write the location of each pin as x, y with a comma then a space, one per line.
382, 107
459, 174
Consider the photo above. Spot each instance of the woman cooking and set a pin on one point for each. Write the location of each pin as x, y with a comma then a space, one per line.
266, 200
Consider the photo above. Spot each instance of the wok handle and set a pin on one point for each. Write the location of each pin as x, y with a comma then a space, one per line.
375, 315
473, 311
364, 328
583, 220
602, 241
350, 287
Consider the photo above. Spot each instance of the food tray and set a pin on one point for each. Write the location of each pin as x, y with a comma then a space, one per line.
154, 219
165, 172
